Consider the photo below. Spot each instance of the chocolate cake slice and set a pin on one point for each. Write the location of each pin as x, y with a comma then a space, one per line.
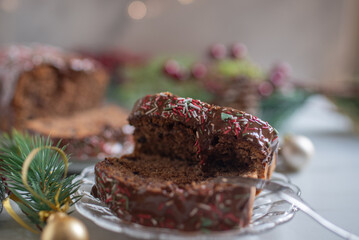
219, 138
95, 133
43, 81
170, 193
181, 144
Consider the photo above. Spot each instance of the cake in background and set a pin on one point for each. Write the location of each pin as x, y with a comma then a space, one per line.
43, 81
228, 77
95, 133
48, 91
150, 78
232, 77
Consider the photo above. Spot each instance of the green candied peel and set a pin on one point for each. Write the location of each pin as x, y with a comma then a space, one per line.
234, 68
225, 116
205, 222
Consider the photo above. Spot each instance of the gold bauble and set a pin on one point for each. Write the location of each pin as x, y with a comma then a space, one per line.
63, 227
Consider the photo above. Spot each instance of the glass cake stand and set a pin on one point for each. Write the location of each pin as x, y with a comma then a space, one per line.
269, 211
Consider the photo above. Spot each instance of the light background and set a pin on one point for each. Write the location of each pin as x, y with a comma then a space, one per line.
317, 37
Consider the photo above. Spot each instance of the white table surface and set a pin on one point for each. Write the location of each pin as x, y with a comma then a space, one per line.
329, 182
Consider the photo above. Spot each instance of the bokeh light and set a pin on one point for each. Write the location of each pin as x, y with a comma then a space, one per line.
137, 10
185, 2
9, 5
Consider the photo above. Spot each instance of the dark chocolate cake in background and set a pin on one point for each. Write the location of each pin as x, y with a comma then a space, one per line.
47, 91
44, 81
181, 144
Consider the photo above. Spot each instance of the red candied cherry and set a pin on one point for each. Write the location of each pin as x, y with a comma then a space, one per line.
239, 51
218, 51
265, 89
199, 70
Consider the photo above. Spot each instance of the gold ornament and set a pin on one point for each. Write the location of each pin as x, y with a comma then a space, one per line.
296, 151
60, 226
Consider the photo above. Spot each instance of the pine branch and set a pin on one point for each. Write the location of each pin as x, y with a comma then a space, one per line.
2, 193
45, 175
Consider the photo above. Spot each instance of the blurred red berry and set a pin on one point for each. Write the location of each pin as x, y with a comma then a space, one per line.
279, 74
238, 51
278, 79
171, 67
218, 51
265, 89
180, 76
199, 70
284, 68
174, 70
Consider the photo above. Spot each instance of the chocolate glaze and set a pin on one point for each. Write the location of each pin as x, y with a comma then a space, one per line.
196, 206
209, 120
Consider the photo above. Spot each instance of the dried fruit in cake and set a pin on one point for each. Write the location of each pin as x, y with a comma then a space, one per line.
43, 81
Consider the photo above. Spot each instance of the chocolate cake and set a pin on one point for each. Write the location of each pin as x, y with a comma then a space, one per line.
239, 93
95, 133
168, 193
43, 81
191, 130
181, 145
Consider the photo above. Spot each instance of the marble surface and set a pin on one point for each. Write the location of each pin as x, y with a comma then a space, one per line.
329, 183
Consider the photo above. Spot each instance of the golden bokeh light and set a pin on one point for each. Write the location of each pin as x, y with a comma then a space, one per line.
137, 10
9, 5
185, 2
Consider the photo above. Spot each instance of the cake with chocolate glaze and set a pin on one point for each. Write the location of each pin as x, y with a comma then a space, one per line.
44, 81
181, 145
94, 133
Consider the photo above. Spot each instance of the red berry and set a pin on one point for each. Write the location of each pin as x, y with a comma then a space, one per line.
180, 76
174, 70
284, 68
238, 51
218, 51
265, 89
277, 78
199, 70
171, 68
280, 74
